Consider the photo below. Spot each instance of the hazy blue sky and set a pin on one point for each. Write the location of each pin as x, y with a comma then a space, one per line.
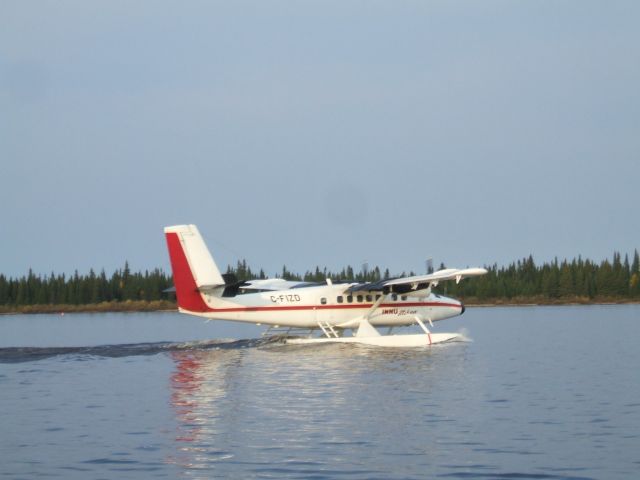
305, 133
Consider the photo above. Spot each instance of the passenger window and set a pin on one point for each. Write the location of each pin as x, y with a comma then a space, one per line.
378, 297
394, 297
369, 298
359, 298
340, 299
350, 298
403, 297
323, 301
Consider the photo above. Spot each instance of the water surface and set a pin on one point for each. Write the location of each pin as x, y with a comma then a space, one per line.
540, 393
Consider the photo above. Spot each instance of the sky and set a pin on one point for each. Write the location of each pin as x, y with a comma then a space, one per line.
328, 133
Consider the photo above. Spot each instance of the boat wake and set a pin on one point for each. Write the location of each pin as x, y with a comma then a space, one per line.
30, 354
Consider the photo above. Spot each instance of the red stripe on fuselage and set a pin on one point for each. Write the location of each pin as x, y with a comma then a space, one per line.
364, 306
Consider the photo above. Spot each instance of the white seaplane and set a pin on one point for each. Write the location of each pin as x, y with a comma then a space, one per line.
332, 309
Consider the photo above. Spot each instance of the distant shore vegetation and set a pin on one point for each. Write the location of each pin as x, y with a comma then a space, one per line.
582, 281
123, 290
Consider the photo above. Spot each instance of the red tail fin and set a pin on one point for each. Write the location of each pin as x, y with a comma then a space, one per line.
187, 293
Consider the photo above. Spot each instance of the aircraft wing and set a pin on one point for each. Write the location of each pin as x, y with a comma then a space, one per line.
418, 282
440, 275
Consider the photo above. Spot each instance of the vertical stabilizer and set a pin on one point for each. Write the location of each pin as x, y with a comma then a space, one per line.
192, 266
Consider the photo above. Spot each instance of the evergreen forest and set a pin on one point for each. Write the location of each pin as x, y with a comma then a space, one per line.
579, 280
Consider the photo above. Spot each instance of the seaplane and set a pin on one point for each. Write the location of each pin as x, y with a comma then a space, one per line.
311, 313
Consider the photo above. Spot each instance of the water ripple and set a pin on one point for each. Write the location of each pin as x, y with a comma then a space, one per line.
513, 475
30, 354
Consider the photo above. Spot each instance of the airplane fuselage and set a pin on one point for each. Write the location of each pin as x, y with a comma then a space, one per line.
329, 304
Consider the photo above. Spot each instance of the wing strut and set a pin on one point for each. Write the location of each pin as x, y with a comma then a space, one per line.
375, 306
365, 318
365, 329
422, 325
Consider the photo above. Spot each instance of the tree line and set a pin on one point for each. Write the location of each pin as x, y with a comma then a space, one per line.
615, 279
91, 288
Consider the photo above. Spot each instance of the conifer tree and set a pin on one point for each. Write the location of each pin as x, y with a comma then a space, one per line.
565, 285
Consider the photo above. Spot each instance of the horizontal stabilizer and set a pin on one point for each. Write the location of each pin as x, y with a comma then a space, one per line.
275, 284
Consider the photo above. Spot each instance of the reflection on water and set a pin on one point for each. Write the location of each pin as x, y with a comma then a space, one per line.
302, 410
198, 387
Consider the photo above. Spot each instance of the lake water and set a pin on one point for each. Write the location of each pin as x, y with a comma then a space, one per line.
539, 393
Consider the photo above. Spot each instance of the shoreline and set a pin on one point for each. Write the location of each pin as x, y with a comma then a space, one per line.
169, 306
103, 307
552, 304
548, 302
